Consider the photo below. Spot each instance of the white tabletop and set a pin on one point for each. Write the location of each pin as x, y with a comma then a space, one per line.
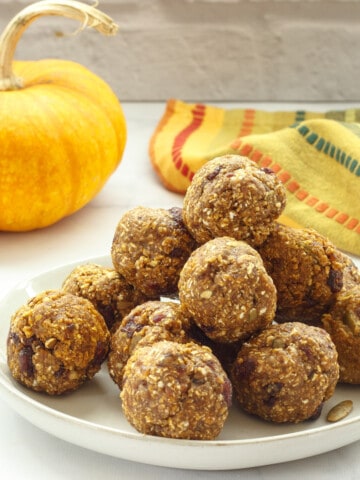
27, 452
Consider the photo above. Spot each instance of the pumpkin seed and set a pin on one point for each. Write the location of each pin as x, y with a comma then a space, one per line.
278, 343
51, 342
339, 411
353, 322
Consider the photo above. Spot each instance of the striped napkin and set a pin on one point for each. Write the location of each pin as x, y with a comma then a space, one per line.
316, 156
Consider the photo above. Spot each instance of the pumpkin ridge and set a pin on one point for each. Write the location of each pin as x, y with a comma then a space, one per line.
80, 105
23, 193
54, 72
55, 126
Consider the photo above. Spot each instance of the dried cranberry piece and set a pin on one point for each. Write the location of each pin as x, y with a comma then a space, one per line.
214, 173
25, 361
227, 392
131, 327
158, 317
335, 280
245, 369
267, 170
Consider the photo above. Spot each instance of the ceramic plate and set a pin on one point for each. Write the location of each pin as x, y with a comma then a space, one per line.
92, 417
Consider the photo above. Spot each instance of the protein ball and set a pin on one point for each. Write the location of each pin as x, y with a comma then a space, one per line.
225, 288
56, 342
286, 372
144, 325
231, 196
109, 292
343, 324
150, 247
351, 273
177, 391
307, 270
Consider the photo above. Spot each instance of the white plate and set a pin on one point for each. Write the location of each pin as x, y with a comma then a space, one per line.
92, 418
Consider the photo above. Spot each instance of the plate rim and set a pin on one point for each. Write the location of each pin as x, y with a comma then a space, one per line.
12, 392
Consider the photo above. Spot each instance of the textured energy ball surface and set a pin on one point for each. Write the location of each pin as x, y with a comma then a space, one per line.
177, 391
343, 324
286, 372
144, 325
307, 270
231, 196
225, 288
108, 291
150, 247
56, 342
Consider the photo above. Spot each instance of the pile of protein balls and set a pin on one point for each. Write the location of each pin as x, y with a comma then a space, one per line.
203, 302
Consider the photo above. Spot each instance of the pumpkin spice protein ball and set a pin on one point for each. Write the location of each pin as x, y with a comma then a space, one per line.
351, 273
231, 196
146, 324
342, 323
108, 291
225, 288
150, 247
307, 270
177, 391
286, 372
56, 342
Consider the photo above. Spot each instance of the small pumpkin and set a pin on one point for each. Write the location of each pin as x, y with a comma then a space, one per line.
62, 128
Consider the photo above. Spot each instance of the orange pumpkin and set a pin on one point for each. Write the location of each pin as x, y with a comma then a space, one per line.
62, 129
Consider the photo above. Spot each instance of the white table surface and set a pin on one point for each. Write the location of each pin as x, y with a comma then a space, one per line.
27, 452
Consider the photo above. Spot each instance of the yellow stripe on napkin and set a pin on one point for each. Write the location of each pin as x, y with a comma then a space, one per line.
316, 155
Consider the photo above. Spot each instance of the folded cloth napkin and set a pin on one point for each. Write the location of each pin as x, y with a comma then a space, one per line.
316, 156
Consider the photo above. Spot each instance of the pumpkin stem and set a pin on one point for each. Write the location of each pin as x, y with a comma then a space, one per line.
88, 15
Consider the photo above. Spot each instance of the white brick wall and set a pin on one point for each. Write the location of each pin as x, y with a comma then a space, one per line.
259, 50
